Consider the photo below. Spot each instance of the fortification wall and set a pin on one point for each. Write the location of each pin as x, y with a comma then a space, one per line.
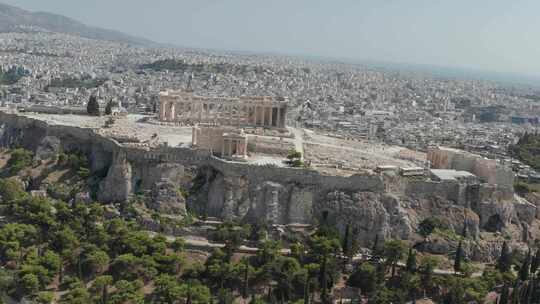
449, 190
358, 182
489, 170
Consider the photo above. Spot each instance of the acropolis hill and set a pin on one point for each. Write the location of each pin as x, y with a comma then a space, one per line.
230, 156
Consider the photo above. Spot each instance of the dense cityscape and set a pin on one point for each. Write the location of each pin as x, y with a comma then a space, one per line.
134, 173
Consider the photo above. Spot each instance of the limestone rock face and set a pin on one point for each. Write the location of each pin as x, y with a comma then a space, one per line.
237, 200
300, 205
116, 187
99, 158
269, 202
495, 215
369, 214
525, 211
166, 198
216, 196
453, 217
48, 147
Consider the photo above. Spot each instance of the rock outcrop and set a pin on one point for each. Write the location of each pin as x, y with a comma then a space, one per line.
48, 148
117, 187
167, 198
371, 206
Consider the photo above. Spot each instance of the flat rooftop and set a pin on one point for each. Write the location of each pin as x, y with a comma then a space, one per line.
448, 175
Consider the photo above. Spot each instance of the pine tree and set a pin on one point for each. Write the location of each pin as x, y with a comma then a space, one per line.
92, 108
306, 290
535, 294
375, 248
246, 281
411, 261
505, 295
380, 272
324, 282
515, 293
504, 262
458, 258
524, 293
346, 244
108, 108
535, 262
189, 296
525, 268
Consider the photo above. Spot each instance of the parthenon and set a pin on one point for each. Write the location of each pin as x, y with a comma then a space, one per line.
185, 107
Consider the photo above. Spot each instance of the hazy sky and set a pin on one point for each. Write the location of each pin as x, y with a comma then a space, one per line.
496, 35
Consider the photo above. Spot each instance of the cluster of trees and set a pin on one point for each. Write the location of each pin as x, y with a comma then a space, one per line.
513, 277
527, 149
12, 75
294, 159
19, 159
92, 107
48, 246
51, 245
524, 287
86, 82
78, 162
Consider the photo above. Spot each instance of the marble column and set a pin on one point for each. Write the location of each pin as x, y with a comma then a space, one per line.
172, 114
256, 115
269, 115
223, 147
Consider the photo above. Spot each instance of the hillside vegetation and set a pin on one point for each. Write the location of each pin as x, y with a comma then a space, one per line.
527, 149
57, 248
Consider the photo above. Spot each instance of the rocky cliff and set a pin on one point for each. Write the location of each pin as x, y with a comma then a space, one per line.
179, 179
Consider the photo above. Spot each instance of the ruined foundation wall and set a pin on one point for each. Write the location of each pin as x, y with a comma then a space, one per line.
486, 169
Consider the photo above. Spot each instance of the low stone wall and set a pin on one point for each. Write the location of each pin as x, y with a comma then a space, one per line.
449, 190
487, 169
357, 182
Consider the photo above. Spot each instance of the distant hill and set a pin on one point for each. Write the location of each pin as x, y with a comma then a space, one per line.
13, 19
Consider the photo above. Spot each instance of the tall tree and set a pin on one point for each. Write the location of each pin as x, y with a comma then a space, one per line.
92, 108
100, 288
108, 108
458, 258
306, 289
393, 252
535, 262
246, 280
535, 295
505, 295
525, 267
365, 278
375, 248
427, 269
345, 245
324, 281
504, 262
411, 261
